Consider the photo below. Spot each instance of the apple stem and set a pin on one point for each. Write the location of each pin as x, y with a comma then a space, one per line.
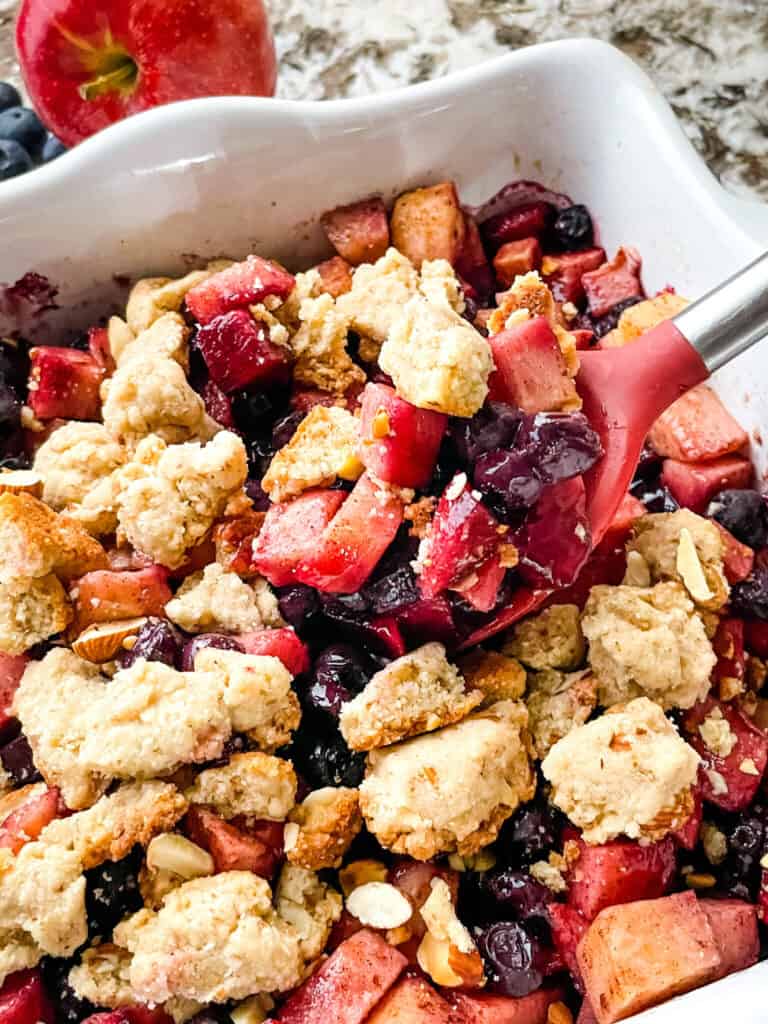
121, 78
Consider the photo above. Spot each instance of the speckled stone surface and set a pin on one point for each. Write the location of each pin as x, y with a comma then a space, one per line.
709, 57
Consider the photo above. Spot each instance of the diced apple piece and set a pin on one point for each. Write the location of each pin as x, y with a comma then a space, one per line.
687, 835
218, 405
64, 382
260, 849
428, 619
104, 596
481, 588
23, 1000
554, 543
11, 670
531, 372
291, 533
28, 820
277, 643
613, 282
428, 224
472, 263
335, 276
738, 559
238, 352
239, 286
630, 510
515, 258
568, 929
354, 540
354, 978
530, 219
638, 954
399, 443
734, 926
728, 644
619, 872
586, 1014
359, 232
100, 349
412, 1001
692, 484
731, 782
697, 427
564, 273
491, 1009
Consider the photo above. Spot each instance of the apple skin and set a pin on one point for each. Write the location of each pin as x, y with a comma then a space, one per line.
181, 49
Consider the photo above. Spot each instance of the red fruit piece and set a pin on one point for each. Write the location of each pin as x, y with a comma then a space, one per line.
613, 282
463, 536
238, 352
412, 1001
738, 559
428, 619
359, 232
335, 276
23, 1000
291, 533
239, 286
756, 637
734, 926
399, 443
491, 1009
515, 258
749, 752
103, 595
530, 369
564, 273
554, 542
692, 484
28, 820
278, 643
687, 835
109, 1017
428, 224
382, 634
259, 849
697, 427
471, 263
414, 880
345, 989
343, 929
98, 346
11, 670
233, 539
355, 539
619, 872
64, 382
528, 220
568, 928
728, 644
481, 587
762, 897
217, 405
586, 1014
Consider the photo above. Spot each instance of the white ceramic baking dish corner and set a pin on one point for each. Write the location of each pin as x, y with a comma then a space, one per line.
163, 190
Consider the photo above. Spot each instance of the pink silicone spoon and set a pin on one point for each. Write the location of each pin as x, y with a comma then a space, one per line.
625, 390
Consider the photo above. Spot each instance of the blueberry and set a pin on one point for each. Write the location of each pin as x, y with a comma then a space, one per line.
285, 428
329, 762
258, 496
510, 954
750, 598
653, 495
14, 366
68, 1007
157, 640
508, 477
744, 513
52, 149
16, 758
517, 893
112, 892
338, 674
392, 592
559, 445
198, 643
299, 605
601, 325
9, 96
573, 228
529, 834
22, 125
14, 159
494, 426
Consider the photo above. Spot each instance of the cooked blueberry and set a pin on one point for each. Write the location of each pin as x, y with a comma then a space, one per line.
299, 605
508, 477
338, 674
111, 893
52, 149
11, 436
573, 228
529, 834
517, 893
654, 495
558, 445
285, 428
260, 454
14, 159
601, 325
258, 495
68, 1007
22, 125
9, 96
157, 640
494, 426
394, 591
256, 411
744, 513
16, 758
510, 956
198, 643
750, 598
329, 762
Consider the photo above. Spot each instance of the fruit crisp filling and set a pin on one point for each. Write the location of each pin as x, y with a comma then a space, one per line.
252, 765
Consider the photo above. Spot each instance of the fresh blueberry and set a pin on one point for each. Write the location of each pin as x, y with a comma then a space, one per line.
22, 125
744, 513
14, 159
573, 228
52, 149
68, 1007
198, 643
510, 954
9, 96
157, 640
111, 893
16, 758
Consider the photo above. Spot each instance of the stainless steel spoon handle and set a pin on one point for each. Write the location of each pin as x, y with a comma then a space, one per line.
730, 318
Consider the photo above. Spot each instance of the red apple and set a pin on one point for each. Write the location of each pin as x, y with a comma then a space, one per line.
89, 63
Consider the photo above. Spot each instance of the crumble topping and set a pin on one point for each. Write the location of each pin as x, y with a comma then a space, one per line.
31, 610
717, 734
320, 347
167, 338
255, 785
103, 976
497, 676
322, 827
551, 639
379, 292
309, 906
152, 297
215, 600
558, 702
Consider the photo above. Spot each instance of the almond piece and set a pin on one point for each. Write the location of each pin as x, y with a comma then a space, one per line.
433, 956
104, 640
379, 905
358, 872
254, 1010
689, 567
179, 855
18, 481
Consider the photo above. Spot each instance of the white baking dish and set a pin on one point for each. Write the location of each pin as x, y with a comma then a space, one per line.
232, 176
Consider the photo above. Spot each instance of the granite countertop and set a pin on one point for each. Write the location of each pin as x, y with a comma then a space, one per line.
709, 57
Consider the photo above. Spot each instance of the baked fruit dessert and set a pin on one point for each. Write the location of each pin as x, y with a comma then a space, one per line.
253, 766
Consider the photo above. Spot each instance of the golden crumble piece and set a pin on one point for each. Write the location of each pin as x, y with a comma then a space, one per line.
627, 773
558, 703
103, 976
215, 600
496, 675
35, 541
551, 639
170, 496
167, 337
31, 610
322, 827
379, 292
419, 515
320, 347
658, 539
307, 285
152, 297
324, 447
641, 317
647, 641
309, 906
255, 785
214, 939
259, 695
438, 283
450, 790
416, 693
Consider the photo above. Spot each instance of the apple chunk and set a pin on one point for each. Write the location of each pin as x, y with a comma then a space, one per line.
412, 1001
491, 1009
428, 224
734, 925
359, 232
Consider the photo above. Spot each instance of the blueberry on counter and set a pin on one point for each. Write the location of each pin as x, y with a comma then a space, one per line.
52, 148
22, 125
9, 96
14, 159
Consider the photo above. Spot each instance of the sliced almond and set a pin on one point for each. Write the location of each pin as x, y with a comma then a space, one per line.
689, 567
18, 481
358, 872
379, 905
179, 855
104, 640
254, 1010
433, 956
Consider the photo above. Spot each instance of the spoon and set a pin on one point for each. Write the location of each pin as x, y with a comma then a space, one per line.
625, 390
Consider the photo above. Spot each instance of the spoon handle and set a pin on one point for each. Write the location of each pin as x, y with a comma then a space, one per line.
730, 318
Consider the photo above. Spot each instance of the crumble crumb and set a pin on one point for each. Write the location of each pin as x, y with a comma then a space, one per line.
717, 734
167, 337
551, 639
496, 675
320, 347
557, 703
322, 828
255, 785
31, 610
215, 600
379, 292
151, 297
309, 906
